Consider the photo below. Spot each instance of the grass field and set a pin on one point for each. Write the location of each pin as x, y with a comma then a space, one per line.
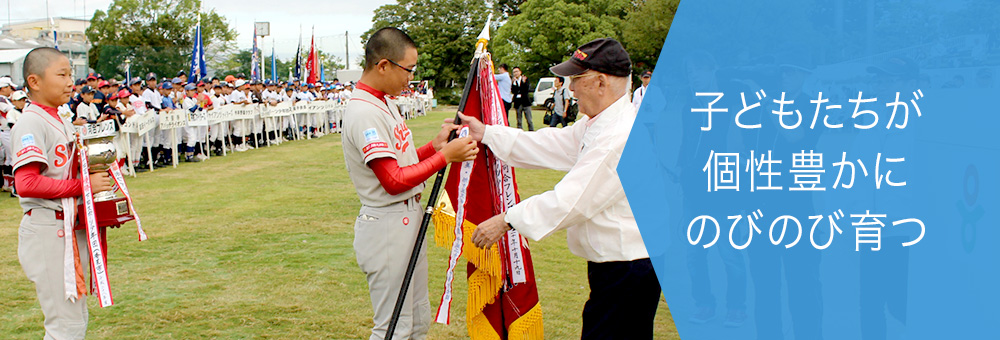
259, 245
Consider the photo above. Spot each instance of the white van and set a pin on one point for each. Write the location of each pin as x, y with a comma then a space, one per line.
544, 90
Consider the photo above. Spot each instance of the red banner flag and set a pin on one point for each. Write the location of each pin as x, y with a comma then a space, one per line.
312, 62
503, 298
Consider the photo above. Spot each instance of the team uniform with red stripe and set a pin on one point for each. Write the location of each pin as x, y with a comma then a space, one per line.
41, 137
387, 224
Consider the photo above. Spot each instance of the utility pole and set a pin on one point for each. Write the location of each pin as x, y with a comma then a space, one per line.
347, 48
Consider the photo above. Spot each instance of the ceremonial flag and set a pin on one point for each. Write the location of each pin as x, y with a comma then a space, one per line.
274, 64
503, 298
298, 64
311, 67
198, 69
55, 35
254, 60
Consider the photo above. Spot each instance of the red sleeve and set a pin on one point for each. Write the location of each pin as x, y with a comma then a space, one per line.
29, 182
396, 180
426, 151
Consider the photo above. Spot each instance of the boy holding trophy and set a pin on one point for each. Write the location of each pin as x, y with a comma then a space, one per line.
48, 247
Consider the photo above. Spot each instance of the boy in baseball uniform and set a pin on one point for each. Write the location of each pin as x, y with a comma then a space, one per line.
49, 250
388, 171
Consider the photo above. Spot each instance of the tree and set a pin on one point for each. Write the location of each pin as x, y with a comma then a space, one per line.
547, 31
445, 33
644, 31
155, 34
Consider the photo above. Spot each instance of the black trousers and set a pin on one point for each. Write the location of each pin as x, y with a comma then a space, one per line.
623, 300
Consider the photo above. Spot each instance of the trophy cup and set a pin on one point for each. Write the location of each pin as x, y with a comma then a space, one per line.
109, 209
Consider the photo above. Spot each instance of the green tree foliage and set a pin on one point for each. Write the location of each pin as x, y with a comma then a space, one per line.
644, 31
445, 32
155, 34
546, 32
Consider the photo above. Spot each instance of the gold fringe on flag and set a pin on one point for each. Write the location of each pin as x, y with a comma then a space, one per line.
528, 326
485, 282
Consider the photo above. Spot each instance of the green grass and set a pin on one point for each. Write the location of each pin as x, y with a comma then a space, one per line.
259, 245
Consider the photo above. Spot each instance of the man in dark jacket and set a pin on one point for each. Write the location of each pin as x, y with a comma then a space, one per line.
522, 102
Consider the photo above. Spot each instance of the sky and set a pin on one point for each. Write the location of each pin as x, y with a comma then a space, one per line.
331, 19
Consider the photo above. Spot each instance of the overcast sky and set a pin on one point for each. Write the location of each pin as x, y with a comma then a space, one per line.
332, 18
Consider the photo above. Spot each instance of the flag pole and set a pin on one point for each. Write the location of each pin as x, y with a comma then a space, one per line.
483, 39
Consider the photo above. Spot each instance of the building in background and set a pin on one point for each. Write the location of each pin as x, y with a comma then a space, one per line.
17, 39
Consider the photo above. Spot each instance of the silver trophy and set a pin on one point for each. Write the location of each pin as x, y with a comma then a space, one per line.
101, 152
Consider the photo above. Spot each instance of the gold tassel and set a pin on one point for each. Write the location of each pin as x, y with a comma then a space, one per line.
444, 222
528, 326
481, 329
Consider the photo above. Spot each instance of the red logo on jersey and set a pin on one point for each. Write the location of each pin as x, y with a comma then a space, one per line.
402, 133
406, 221
28, 149
373, 145
61, 156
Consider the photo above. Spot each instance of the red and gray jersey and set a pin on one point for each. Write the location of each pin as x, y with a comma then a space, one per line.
374, 129
40, 137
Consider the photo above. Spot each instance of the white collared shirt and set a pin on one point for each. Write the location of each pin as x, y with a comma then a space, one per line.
637, 96
589, 201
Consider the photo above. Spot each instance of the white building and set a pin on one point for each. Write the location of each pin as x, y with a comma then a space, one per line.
17, 39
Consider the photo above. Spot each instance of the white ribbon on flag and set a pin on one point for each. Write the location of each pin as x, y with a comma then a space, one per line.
100, 272
465, 175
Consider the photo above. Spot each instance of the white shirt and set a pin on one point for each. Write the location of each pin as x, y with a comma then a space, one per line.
589, 201
237, 97
87, 111
637, 97
154, 98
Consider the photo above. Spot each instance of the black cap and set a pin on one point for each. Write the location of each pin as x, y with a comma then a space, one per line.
646, 74
181, 73
151, 76
86, 89
603, 55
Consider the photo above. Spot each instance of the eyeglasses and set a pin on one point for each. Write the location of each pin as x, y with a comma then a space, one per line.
582, 76
411, 70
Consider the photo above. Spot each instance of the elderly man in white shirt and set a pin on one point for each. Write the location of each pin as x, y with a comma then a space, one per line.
589, 201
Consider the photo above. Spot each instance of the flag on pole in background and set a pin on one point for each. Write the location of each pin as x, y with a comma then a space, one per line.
311, 61
55, 35
274, 65
297, 72
198, 68
503, 298
254, 59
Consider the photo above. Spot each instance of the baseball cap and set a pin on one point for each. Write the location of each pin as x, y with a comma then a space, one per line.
86, 89
181, 73
189, 87
124, 93
103, 83
646, 74
151, 76
240, 82
135, 81
603, 55
166, 86
230, 78
91, 77
18, 95
5, 82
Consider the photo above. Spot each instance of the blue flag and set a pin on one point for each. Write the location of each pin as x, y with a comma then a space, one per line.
254, 59
274, 65
198, 69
